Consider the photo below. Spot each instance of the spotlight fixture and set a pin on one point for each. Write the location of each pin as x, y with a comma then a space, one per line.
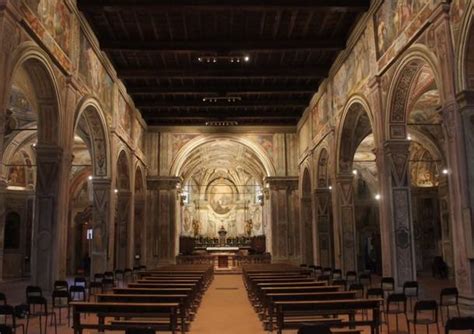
377, 197
228, 99
223, 59
222, 123
409, 137
445, 171
116, 191
330, 187
354, 171
90, 177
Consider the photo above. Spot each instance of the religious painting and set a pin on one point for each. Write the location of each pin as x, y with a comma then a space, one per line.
125, 115
392, 18
56, 18
265, 141
95, 75
178, 140
221, 197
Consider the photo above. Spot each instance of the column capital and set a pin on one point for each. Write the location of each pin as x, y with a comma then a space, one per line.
163, 182
48, 152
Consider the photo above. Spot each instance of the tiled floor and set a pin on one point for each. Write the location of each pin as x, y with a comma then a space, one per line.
225, 307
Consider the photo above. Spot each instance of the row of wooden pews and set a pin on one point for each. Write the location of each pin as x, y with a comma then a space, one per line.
288, 297
165, 299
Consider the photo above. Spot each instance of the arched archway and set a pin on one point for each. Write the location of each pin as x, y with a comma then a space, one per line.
357, 190
122, 239
416, 152
32, 81
139, 218
323, 211
306, 218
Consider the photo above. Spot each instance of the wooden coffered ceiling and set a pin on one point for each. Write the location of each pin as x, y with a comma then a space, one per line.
256, 62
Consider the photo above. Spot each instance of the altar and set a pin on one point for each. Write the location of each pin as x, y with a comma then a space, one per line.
223, 258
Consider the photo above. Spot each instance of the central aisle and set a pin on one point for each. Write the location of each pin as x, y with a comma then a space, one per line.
225, 308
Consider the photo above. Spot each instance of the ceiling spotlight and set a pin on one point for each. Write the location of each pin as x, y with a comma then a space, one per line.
445, 171
232, 60
214, 60
409, 137
238, 60
354, 171
377, 197
116, 191
200, 59
246, 58
90, 177
330, 187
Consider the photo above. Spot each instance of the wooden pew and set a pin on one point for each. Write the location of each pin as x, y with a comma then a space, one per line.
291, 314
166, 312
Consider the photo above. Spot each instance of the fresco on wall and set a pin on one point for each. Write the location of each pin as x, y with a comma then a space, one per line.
319, 115
354, 70
56, 18
95, 75
125, 115
265, 141
457, 11
178, 140
138, 134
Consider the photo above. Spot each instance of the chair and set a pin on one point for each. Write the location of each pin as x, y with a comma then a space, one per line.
61, 299
127, 275
8, 311
351, 277
411, 290
80, 281
94, 289
400, 301
337, 274
448, 297
314, 329
33, 291
41, 302
439, 267
139, 330
142, 267
318, 270
358, 288
365, 280
387, 284
423, 306
459, 324
119, 277
377, 293
303, 265
61, 285
323, 277
108, 284
327, 271
77, 293
98, 277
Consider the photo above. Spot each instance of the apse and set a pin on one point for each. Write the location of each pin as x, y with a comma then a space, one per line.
222, 187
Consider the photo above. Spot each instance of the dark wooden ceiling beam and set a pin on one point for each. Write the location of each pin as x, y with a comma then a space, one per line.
224, 46
294, 103
192, 5
162, 115
229, 90
225, 73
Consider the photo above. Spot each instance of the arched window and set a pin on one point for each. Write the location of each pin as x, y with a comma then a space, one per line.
12, 231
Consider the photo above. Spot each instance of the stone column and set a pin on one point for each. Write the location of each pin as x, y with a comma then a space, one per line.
322, 201
346, 221
102, 193
283, 217
44, 269
308, 241
399, 197
123, 234
162, 212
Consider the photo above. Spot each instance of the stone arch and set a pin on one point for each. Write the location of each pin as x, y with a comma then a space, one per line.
356, 123
465, 52
91, 110
184, 152
307, 216
404, 78
38, 65
322, 178
123, 176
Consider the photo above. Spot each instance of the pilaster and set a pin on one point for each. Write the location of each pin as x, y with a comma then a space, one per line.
324, 233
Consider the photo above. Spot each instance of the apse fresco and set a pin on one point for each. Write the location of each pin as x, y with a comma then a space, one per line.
56, 18
265, 141
95, 75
